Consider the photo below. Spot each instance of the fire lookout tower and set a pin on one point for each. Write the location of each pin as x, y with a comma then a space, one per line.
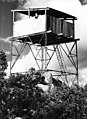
52, 33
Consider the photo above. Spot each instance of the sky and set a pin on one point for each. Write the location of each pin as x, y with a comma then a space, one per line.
72, 7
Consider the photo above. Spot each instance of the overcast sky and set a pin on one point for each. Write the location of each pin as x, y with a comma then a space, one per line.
72, 7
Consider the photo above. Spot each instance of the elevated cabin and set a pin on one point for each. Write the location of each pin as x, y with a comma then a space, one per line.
46, 27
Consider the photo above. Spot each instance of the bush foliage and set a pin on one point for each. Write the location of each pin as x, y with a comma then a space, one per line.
20, 97
3, 64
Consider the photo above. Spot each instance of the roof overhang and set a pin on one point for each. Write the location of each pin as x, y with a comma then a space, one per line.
49, 11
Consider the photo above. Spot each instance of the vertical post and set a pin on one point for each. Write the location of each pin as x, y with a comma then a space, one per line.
76, 113
11, 42
73, 29
76, 52
11, 56
45, 39
13, 21
42, 57
77, 63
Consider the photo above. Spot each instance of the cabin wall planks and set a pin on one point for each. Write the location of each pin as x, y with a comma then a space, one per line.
60, 26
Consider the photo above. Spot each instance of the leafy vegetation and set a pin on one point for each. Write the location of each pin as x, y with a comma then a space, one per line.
21, 97
3, 64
